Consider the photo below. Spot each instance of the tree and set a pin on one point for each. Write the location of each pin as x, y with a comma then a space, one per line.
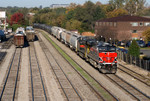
106, 33
117, 12
73, 24
134, 49
17, 18
146, 34
135, 7
115, 4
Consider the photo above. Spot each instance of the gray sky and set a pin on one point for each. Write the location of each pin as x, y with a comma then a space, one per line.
45, 3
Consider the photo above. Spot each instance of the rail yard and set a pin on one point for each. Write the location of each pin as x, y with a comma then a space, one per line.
45, 69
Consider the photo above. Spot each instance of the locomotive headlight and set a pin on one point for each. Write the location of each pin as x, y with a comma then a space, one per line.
115, 59
100, 60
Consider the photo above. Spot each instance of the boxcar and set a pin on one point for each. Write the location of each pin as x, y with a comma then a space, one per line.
30, 33
19, 39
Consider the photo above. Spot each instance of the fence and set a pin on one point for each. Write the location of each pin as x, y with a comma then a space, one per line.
145, 64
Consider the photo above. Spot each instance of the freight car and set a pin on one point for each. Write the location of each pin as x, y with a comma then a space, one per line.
30, 33
19, 37
74, 41
100, 54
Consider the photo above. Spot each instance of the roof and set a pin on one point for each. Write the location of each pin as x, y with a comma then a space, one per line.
125, 18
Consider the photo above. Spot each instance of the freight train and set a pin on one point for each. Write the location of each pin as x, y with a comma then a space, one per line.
99, 54
21, 35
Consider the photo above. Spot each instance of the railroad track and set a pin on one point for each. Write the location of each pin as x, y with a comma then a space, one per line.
3, 49
8, 89
113, 98
7, 43
66, 85
135, 75
2, 56
130, 89
38, 89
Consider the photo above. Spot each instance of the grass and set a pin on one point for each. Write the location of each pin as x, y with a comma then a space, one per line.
103, 93
147, 48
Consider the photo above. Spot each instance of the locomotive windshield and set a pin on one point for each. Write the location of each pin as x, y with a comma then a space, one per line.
107, 49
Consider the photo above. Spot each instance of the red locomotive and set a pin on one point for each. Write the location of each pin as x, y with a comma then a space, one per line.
104, 57
100, 54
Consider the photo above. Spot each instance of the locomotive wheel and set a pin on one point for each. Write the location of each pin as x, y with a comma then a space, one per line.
86, 59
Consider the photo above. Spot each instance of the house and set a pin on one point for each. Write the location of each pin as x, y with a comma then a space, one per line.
122, 28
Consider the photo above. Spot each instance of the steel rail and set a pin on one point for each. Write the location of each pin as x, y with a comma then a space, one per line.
31, 76
40, 75
107, 75
5, 82
133, 75
64, 74
17, 75
7, 75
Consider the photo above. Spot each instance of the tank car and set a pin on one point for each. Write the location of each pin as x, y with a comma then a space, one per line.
73, 41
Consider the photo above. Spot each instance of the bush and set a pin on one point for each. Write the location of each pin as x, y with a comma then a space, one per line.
134, 49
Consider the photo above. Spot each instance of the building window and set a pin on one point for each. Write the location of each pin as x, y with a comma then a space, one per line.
107, 23
134, 24
96, 23
95, 31
147, 23
100, 23
141, 23
103, 23
110, 23
115, 24
134, 31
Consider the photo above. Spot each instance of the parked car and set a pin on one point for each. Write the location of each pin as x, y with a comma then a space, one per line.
121, 43
128, 43
148, 44
141, 43
2, 36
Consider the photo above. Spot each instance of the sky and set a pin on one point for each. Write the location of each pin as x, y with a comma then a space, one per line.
45, 3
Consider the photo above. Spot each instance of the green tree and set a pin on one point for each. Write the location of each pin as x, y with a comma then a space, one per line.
117, 12
134, 49
135, 7
115, 4
146, 34
73, 24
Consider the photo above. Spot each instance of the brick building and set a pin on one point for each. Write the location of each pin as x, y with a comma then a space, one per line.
122, 28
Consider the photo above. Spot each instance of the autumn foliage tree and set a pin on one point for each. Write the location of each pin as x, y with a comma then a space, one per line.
17, 18
117, 12
146, 34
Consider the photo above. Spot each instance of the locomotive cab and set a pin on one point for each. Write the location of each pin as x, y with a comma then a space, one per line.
107, 59
103, 57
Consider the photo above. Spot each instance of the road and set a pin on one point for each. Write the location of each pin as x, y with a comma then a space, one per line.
146, 51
